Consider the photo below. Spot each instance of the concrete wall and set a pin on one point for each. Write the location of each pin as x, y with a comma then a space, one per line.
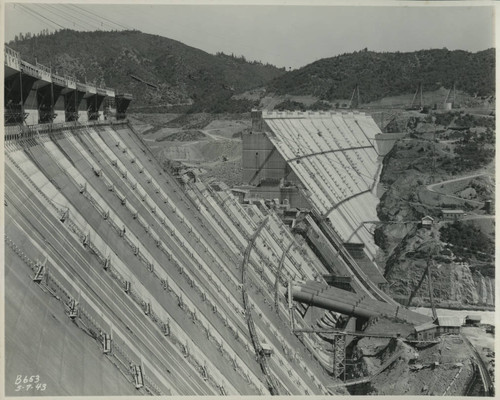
256, 150
83, 116
384, 142
59, 109
32, 117
31, 108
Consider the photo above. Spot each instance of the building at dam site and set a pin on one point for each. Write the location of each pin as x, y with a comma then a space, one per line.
123, 279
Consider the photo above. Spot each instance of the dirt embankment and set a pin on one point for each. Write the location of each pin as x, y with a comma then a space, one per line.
454, 282
398, 368
209, 142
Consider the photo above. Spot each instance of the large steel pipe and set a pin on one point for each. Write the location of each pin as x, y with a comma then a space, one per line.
348, 298
317, 294
351, 297
330, 304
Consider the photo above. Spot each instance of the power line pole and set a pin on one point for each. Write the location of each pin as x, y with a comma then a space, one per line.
433, 172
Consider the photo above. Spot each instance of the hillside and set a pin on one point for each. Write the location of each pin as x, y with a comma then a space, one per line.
130, 60
449, 165
381, 75
160, 72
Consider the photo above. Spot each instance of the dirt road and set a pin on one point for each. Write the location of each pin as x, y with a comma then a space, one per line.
431, 187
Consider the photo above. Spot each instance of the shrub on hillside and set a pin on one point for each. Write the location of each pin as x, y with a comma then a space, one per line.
320, 106
380, 237
380, 75
444, 119
467, 240
472, 155
290, 105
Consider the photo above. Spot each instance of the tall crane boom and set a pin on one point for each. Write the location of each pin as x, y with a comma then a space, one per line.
431, 291
414, 292
355, 92
428, 273
421, 100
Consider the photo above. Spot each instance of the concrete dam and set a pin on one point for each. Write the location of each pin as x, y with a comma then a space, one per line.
122, 279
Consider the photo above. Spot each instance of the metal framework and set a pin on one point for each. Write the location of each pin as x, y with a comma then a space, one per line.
259, 351
278, 276
338, 349
339, 356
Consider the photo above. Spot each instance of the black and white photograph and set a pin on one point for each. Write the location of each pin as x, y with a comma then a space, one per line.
260, 199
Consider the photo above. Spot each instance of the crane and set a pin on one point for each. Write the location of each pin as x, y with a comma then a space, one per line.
446, 100
421, 104
428, 273
355, 92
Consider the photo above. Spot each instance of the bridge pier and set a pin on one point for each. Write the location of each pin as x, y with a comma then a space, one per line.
33, 93
72, 100
46, 98
39, 97
17, 87
122, 102
94, 98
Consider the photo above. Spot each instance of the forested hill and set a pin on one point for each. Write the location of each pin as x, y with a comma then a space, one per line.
155, 69
160, 71
388, 74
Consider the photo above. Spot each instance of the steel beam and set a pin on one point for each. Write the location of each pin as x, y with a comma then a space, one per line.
339, 356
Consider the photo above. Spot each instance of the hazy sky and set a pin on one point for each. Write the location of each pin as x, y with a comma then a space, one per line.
289, 36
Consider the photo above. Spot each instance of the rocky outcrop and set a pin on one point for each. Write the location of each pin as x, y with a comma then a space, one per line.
454, 282
420, 179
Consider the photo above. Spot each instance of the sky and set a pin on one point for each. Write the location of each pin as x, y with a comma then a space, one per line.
286, 36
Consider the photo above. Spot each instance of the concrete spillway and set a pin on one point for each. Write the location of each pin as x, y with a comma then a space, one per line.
332, 156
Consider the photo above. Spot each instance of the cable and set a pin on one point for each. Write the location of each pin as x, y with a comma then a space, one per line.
207, 34
65, 15
60, 16
38, 15
101, 17
87, 20
32, 14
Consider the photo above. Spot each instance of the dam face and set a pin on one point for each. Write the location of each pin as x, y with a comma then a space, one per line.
115, 273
